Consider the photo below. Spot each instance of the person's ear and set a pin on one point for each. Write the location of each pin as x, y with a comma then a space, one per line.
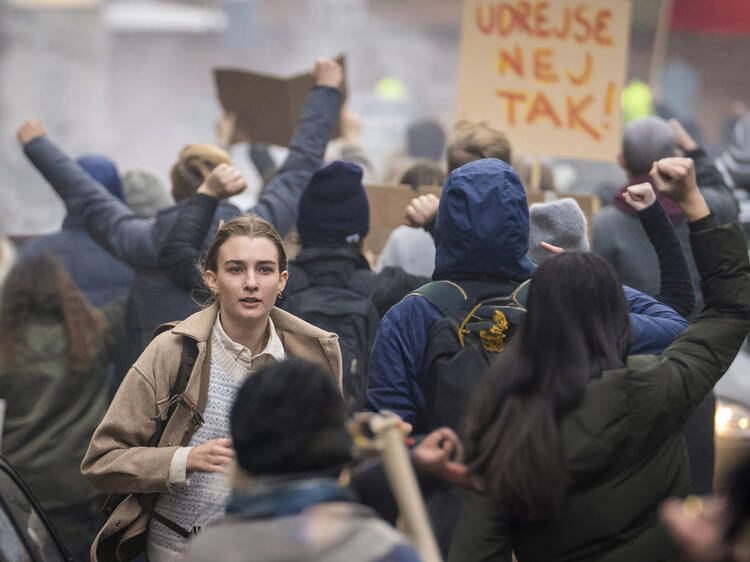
210, 278
283, 277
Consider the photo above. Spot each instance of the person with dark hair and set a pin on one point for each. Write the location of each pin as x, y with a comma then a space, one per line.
288, 427
175, 480
137, 241
574, 444
101, 276
53, 378
330, 282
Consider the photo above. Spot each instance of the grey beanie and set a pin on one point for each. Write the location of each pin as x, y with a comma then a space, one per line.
735, 162
645, 141
144, 192
561, 223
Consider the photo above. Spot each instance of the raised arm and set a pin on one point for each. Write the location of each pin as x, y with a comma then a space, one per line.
676, 289
107, 219
690, 367
279, 201
716, 192
184, 243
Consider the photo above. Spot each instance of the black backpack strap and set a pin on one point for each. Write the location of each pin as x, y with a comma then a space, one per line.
448, 297
147, 503
521, 294
188, 356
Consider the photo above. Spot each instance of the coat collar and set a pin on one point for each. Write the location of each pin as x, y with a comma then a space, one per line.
199, 325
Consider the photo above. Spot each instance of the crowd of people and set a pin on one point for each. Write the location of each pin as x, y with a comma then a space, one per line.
178, 389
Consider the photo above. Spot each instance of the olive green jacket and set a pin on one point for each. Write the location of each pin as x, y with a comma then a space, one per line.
52, 414
623, 452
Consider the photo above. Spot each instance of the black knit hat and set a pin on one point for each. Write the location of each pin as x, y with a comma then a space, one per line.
289, 417
334, 207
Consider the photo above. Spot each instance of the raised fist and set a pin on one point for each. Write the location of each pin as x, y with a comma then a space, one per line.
328, 73
30, 130
640, 196
223, 181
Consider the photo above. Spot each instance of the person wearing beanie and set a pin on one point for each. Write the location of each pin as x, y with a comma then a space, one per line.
137, 241
333, 210
145, 193
290, 440
101, 276
560, 223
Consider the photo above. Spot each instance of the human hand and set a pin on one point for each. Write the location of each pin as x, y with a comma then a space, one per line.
226, 130
328, 73
437, 455
681, 136
675, 178
351, 125
640, 196
223, 181
698, 526
421, 210
552, 248
211, 456
30, 130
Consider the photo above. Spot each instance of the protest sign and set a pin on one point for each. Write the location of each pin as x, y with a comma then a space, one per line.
548, 73
267, 108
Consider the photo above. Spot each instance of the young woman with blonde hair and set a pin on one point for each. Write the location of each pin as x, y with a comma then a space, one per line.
180, 485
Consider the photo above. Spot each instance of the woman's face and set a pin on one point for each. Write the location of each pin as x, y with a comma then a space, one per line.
247, 279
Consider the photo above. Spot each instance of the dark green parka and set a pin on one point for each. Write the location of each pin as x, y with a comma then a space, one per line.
622, 446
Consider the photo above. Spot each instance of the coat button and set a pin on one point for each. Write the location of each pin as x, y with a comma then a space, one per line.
117, 523
169, 443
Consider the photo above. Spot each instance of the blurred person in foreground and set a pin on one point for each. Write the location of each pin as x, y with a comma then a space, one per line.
575, 445
288, 428
53, 377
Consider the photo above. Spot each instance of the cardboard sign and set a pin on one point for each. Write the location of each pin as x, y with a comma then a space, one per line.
388, 206
548, 73
267, 108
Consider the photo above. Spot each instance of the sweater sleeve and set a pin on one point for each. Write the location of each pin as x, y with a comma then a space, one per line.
664, 394
107, 219
676, 288
183, 245
279, 200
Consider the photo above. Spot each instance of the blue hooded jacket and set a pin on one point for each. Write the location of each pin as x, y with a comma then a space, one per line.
481, 233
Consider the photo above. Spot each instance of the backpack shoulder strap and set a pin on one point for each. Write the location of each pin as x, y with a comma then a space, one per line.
521, 294
448, 297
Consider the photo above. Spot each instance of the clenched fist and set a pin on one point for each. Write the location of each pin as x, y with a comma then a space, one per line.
328, 73
223, 181
30, 130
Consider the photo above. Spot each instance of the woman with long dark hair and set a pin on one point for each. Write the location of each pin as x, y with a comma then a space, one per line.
572, 443
54, 352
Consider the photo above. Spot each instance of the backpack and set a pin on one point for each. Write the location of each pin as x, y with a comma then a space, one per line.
348, 312
462, 344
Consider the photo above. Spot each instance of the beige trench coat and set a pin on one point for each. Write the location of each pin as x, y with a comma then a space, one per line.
118, 461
